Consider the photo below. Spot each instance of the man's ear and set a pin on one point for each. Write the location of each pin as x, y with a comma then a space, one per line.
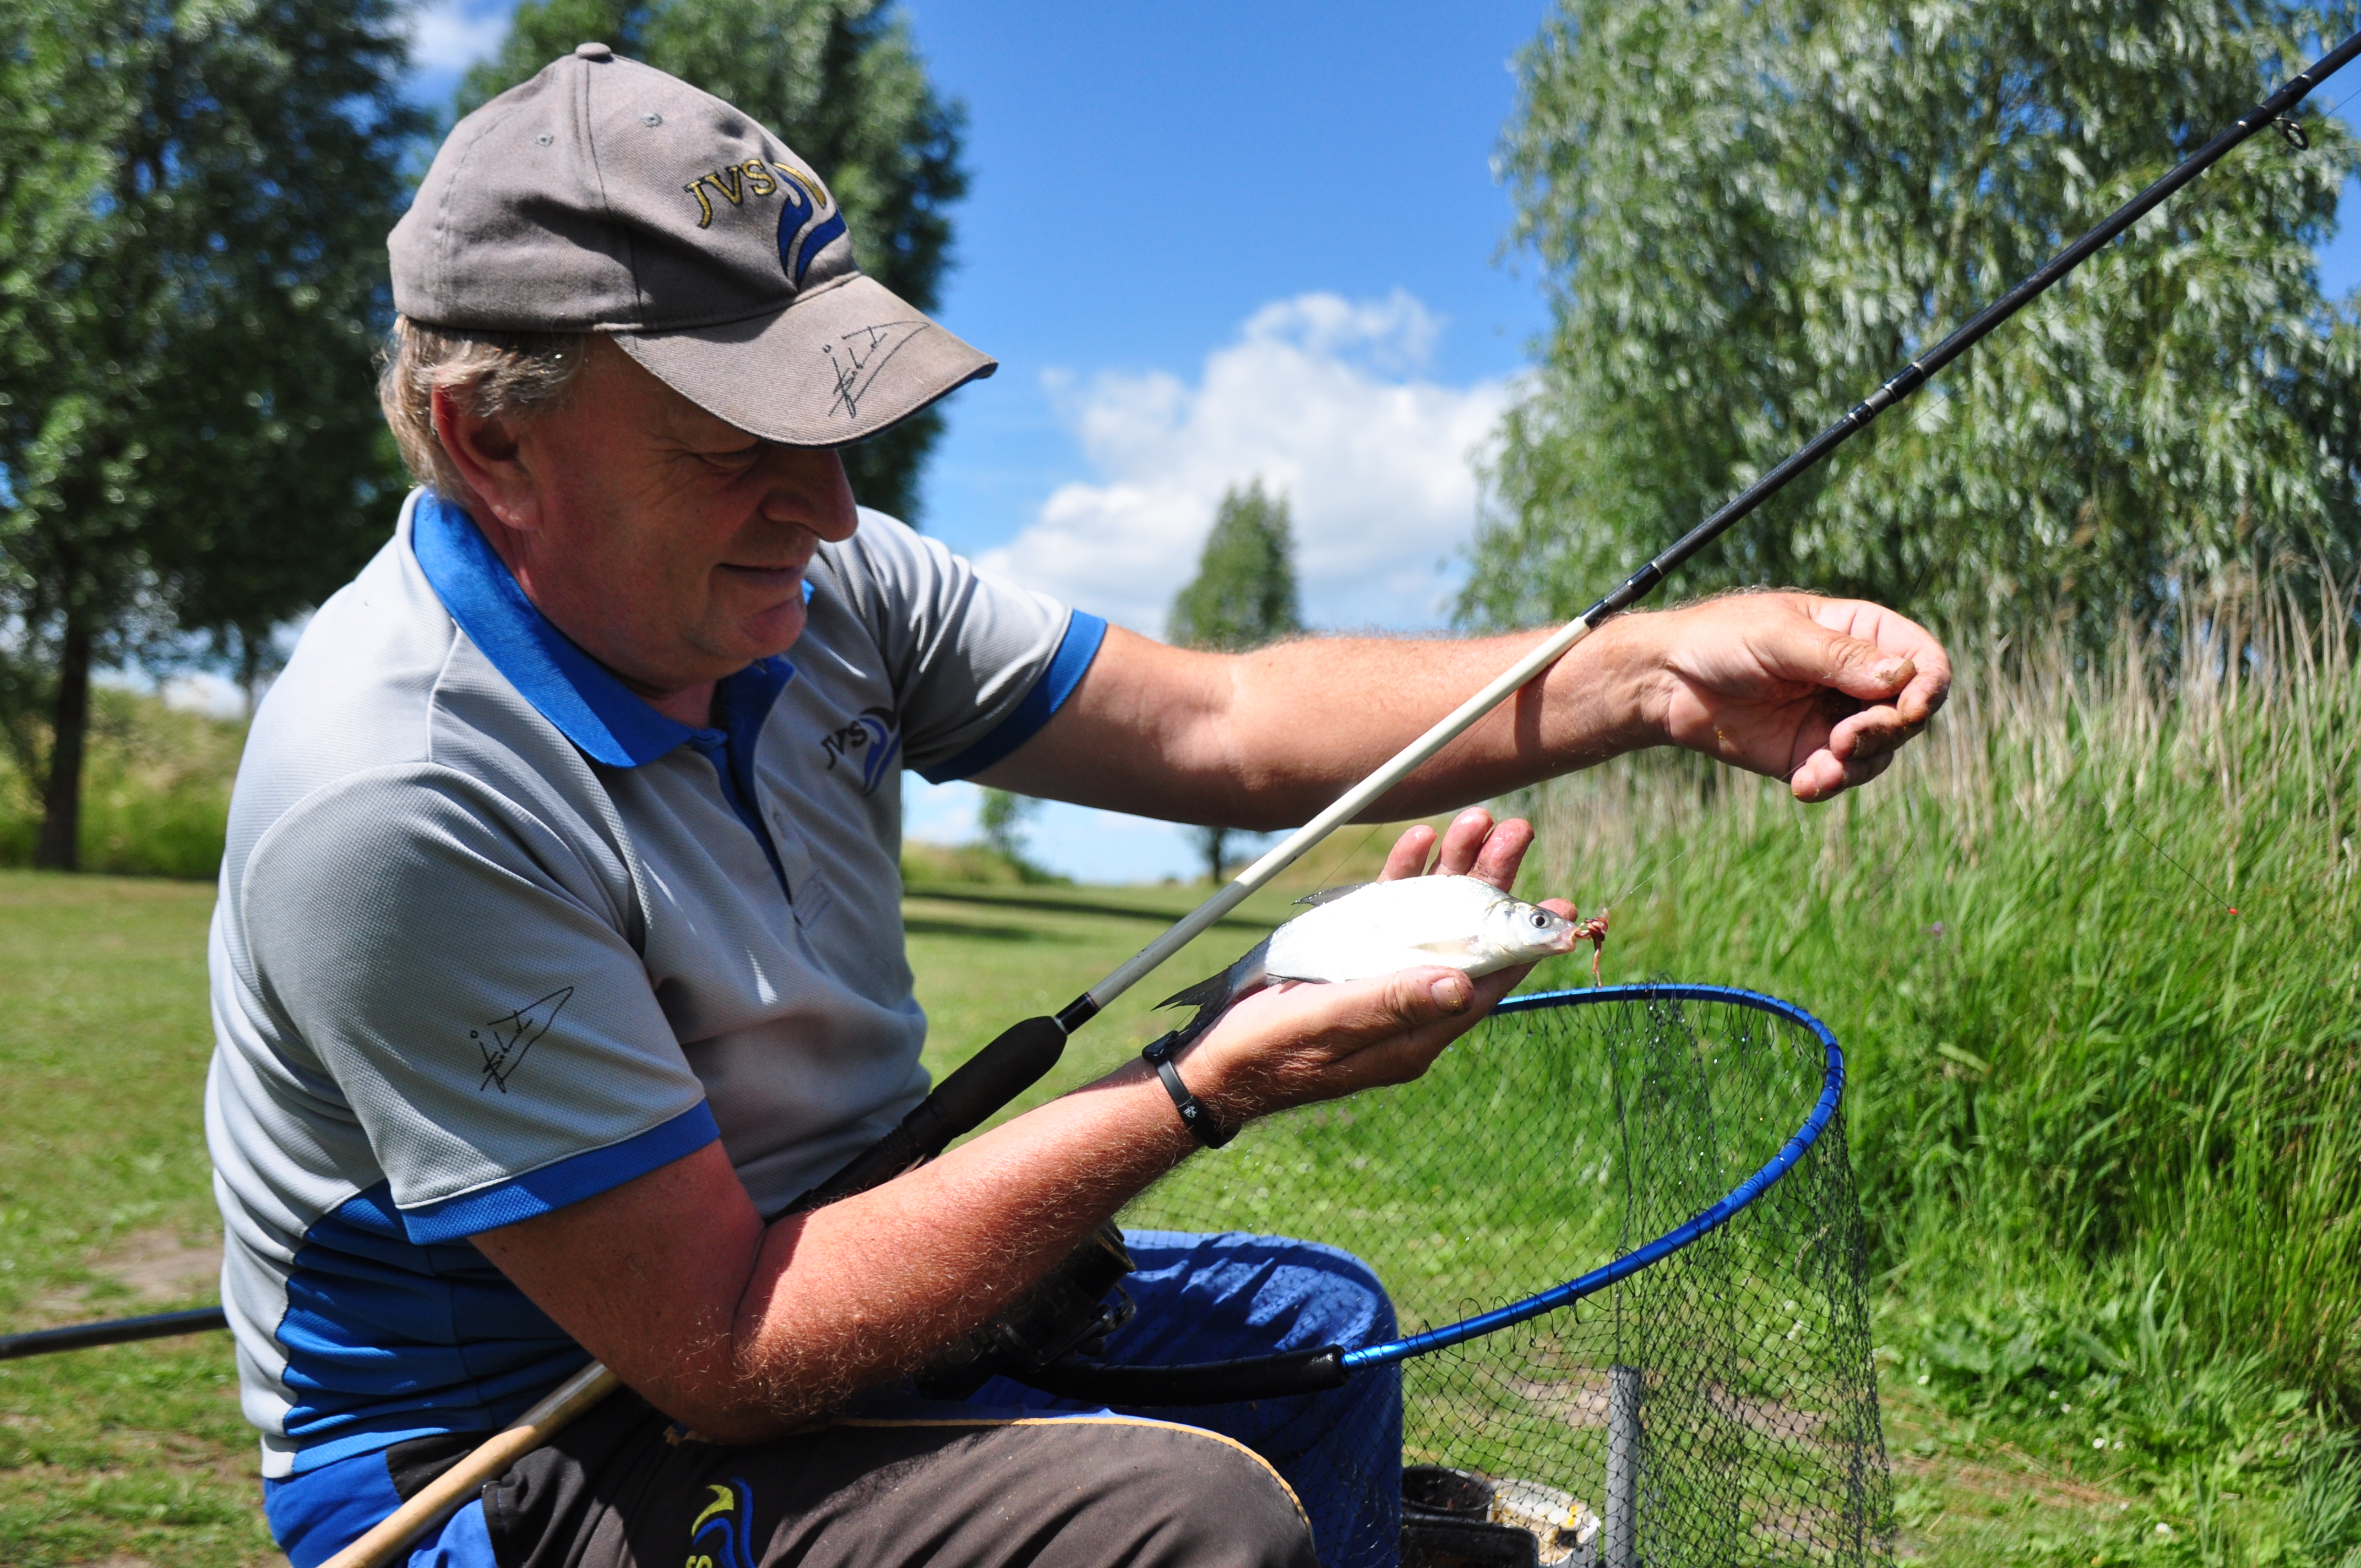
489, 458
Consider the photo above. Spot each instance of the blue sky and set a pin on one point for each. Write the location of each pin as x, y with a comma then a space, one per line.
1206, 244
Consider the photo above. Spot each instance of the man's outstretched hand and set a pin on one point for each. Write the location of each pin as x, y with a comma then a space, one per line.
1818, 691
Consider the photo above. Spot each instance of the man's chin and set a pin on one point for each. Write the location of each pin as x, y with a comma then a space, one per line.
771, 629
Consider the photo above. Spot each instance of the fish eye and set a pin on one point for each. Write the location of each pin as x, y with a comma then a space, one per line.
1540, 917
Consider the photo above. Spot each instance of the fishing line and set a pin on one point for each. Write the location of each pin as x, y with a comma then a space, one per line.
2184, 870
2133, 823
1336, 866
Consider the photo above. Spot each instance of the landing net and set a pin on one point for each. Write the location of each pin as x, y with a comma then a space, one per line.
1716, 1408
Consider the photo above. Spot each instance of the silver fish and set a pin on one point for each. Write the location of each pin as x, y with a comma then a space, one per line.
1376, 928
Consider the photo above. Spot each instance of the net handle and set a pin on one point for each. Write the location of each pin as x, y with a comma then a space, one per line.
1733, 1203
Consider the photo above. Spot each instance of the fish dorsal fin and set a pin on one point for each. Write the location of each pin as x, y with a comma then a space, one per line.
1331, 894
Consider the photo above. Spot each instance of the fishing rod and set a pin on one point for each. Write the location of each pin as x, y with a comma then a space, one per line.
1026, 1051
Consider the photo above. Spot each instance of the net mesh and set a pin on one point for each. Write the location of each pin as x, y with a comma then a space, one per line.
1718, 1408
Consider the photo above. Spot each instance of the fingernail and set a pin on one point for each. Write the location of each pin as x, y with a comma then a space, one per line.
1452, 992
1894, 669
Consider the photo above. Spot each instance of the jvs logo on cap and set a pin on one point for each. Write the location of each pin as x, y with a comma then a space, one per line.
803, 231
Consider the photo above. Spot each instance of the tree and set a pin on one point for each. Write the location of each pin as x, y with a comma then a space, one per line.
842, 81
1001, 818
193, 205
1243, 596
1750, 211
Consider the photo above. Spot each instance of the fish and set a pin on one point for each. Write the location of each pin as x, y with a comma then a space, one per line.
1376, 928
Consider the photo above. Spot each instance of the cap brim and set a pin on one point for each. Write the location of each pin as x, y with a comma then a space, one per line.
838, 364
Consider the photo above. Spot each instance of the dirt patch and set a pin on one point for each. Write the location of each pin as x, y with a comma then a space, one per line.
2030, 1476
160, 1265
155, 1266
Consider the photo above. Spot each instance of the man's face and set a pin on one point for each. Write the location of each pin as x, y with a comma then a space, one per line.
670, 545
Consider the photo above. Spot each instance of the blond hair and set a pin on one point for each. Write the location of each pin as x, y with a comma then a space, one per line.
497, 375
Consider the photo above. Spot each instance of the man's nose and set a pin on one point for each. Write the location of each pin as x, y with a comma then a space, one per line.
806, 486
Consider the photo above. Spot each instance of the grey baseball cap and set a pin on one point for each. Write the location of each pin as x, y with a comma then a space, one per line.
604, 195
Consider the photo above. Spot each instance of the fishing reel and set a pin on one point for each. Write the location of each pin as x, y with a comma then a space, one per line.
1067, 1313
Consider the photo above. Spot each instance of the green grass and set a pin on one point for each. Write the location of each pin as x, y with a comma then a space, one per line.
2106, 1133
135, 1452
155, 791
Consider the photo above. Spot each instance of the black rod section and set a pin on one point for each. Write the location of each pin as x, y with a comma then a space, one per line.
114, 1331
1914, 374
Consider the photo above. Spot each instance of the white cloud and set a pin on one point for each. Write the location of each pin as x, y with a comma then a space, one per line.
1321, 397
452, 35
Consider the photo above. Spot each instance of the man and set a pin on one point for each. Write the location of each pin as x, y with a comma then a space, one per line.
559, 947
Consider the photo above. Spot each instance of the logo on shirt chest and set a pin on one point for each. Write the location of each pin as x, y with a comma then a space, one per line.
868, 745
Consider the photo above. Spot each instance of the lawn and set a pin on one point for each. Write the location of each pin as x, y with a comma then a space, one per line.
136, 1454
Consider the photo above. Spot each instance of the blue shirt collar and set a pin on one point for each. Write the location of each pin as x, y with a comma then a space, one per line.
610, 723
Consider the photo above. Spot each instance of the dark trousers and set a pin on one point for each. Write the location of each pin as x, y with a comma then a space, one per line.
1023, 1492
1011, 1477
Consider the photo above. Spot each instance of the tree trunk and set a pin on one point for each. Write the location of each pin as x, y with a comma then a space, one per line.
1217, 842
59, 847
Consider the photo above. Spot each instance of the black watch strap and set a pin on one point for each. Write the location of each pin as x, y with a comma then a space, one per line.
1194, 1116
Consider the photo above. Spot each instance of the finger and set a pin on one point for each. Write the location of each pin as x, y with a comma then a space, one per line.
1805, 650
1504, 853
1924, 695
1897, 634
1871, 732
1819, 777
1823, 777
1407, 857
1463, 841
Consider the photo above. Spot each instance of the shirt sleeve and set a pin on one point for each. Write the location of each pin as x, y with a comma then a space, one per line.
978, 665
460, 967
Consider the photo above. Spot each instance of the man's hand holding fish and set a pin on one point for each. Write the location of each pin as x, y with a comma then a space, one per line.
1373, 1001
560, 949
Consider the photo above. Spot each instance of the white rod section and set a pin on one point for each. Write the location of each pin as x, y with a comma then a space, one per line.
1347, 806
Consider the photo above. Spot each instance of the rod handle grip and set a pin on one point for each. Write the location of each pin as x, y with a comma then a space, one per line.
961, 1103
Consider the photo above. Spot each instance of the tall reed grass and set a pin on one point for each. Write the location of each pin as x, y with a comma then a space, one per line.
2079, 1079
155, 790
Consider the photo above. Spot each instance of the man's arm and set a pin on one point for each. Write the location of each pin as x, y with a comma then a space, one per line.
744, 1330
1818, 691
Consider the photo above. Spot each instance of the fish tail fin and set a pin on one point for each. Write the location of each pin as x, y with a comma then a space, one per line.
1212, 996
1210, 992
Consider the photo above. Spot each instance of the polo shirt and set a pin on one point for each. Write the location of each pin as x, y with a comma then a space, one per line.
495, 935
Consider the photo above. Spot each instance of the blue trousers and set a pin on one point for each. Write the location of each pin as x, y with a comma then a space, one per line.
1200, 1297
1211, 1298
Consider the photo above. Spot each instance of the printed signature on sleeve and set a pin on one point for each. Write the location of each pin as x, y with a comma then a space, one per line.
512, 1036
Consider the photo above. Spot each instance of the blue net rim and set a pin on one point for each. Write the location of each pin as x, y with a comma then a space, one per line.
1733, 1203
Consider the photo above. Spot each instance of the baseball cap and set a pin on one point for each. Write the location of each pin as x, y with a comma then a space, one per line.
604, 195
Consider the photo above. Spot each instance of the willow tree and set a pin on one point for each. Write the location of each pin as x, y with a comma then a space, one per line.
1750, 211
842, 82
193, 204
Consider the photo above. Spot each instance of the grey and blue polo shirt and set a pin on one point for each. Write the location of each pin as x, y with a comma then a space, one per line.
495, 935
